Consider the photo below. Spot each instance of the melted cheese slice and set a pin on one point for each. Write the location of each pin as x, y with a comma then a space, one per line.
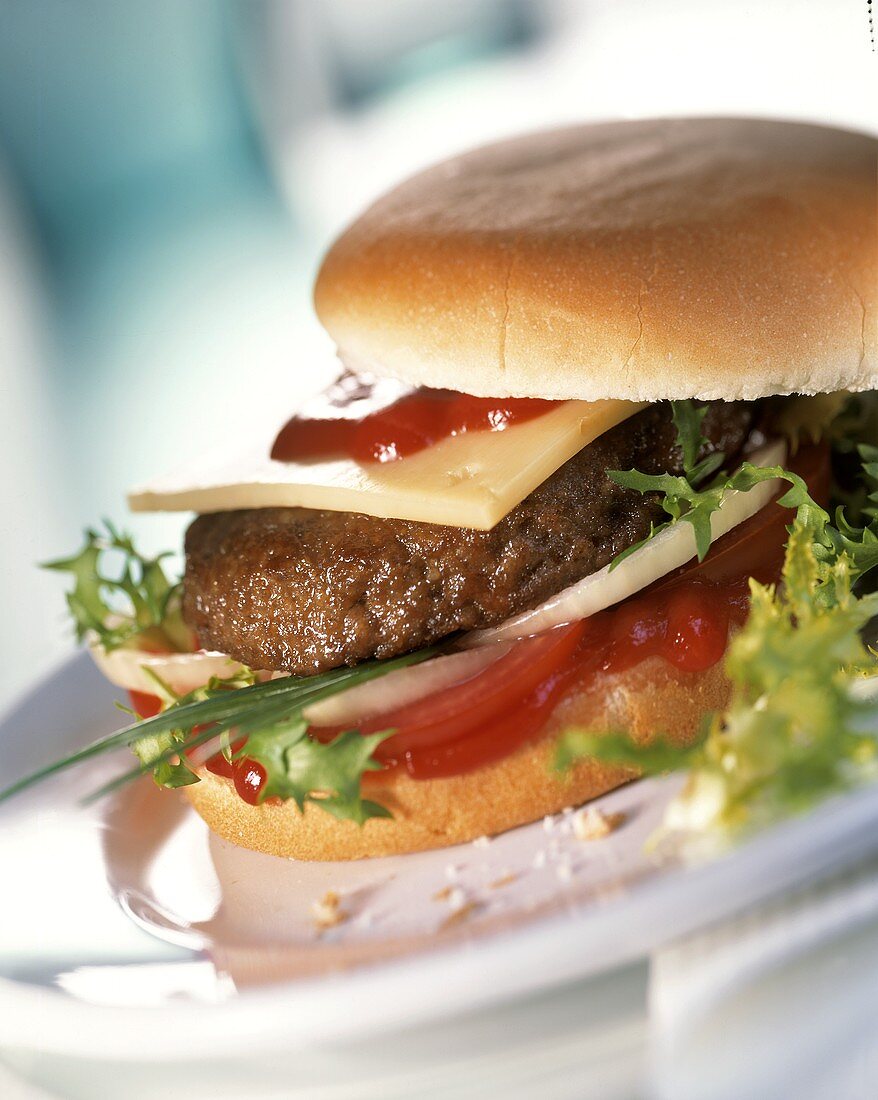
470, 480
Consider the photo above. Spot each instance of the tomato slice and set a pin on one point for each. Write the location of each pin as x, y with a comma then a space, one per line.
520, 721
454, 712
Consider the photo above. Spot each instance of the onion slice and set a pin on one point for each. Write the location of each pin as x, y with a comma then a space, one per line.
182, 672
399, 688
667, 551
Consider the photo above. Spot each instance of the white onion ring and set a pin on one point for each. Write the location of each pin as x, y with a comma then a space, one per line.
182, 672
401, 687
664, 553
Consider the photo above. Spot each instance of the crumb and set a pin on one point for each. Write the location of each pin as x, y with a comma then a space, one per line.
327, 912
504, 880
456, 898
451, 871
443, 894
461, 914
539, 859
481, 842
590, 823
548, 823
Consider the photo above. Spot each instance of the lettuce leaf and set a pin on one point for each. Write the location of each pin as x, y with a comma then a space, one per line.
794, 731
268, 715
136, 600
305, 770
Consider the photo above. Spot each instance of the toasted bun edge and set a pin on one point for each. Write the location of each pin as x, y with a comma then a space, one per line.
652, 698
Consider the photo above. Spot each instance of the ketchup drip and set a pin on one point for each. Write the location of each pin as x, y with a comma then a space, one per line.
405, 426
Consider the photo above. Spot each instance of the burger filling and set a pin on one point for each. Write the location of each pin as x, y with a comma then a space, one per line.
304, 590
659, 540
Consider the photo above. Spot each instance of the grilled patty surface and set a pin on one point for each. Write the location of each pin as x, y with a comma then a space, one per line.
306, 590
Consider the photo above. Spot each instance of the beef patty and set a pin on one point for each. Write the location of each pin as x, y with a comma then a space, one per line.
305, 590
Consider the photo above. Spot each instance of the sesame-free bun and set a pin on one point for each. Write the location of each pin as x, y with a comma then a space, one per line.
709, 258
651, 698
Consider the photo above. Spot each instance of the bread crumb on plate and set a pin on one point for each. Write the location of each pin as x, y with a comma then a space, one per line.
590, 823
327, 912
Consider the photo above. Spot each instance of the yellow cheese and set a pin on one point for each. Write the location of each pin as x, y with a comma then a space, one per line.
470, 480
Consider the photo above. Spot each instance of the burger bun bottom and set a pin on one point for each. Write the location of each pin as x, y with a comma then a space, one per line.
652, 698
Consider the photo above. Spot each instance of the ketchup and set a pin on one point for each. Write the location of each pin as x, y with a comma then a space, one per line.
144, 704
402, 427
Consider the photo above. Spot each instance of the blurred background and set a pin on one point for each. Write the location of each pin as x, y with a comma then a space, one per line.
170, 173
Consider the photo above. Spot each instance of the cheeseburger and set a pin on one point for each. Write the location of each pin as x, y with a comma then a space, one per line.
573, 366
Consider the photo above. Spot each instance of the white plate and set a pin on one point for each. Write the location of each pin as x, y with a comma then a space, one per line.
112, 912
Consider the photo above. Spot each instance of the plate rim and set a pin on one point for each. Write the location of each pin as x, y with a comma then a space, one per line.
462, 977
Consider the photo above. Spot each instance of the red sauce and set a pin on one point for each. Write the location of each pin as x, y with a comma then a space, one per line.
144, 704
403, 427
686, 625
683, 619
220, 766
249, 778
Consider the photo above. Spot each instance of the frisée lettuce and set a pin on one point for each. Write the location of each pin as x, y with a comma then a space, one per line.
794, 730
